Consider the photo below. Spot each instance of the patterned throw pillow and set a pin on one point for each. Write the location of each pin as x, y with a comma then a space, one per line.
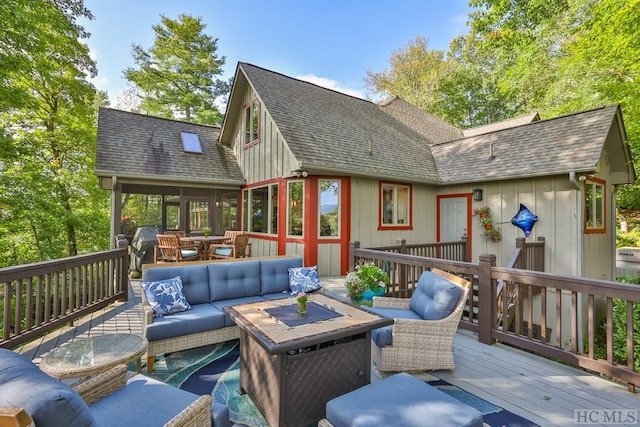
304, 279
166, 296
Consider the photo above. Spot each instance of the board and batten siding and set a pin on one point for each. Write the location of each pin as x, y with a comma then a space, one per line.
365, 202
552, 199
270, 158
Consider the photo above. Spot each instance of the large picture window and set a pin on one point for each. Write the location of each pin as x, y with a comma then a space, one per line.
329, 216
395, 204
251, 122
261, 209
595, 206
296, 208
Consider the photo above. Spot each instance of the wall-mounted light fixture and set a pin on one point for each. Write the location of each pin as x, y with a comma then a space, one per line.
298, 174
477, 194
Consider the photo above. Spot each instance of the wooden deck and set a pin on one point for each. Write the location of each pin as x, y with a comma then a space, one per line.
536, 388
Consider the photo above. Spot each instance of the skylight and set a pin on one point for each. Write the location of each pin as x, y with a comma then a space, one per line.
191, 142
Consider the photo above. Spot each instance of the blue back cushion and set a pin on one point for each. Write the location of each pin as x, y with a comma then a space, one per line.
434, 297
229, 280
274, 274
49, 402
195, 280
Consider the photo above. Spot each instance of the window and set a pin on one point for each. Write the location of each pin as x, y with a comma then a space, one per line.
251, 122
595, 213
190, 142
394, 205
295, 199
329, 208
260, 209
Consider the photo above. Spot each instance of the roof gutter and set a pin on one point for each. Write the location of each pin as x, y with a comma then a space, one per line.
128, 178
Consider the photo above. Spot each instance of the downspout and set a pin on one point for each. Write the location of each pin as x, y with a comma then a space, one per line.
577, 184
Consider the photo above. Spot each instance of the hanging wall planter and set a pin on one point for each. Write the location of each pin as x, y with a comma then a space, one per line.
490, 231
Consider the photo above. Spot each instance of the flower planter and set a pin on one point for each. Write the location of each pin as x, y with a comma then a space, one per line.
367, 296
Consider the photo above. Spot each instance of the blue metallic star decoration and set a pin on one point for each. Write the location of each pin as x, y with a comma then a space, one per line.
524, 219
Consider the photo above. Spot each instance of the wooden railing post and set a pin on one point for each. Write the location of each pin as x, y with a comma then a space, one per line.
122, 270
353, 245
466, 248
540, 254
521, 262
486, 299
402, 271
402, 246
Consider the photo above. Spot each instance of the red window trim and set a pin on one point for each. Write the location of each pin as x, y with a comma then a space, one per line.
393, 227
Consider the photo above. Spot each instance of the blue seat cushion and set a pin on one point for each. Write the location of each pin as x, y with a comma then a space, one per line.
49, 402
246, 300
195, 280
223, 251
384, 336
434, 297
201, 318
400, 400
274, 274
189, 253
229, 280
142, 402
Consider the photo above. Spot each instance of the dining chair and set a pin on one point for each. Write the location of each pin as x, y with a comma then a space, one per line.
241, 248
169, 249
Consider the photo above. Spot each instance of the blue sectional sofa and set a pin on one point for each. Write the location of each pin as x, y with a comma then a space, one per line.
208, 288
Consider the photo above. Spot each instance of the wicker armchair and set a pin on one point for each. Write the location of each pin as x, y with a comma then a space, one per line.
169, 249
239, 248
105, 399
418, 344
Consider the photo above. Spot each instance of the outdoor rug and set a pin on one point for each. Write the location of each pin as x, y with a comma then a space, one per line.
214, 370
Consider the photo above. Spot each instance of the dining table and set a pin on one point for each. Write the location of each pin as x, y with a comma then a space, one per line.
204, 242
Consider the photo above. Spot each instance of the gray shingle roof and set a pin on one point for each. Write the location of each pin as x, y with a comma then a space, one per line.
137, 145
503, 124
555, 146
332, 131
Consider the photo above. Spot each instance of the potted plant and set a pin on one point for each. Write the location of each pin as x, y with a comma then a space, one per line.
482, 212
206, 231
493, 234
365, 282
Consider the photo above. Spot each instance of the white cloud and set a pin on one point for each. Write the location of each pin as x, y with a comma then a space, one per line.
329, 84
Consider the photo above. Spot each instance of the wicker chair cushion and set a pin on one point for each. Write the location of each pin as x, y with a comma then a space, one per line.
434, 297
166, 296
49, 402
384, 336
304, 279
274, 274
234, 280
143, 402
400, 400
201, 318
195, 280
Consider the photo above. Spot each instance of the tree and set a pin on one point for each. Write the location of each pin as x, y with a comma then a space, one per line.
176, 75
414, 74
50, 202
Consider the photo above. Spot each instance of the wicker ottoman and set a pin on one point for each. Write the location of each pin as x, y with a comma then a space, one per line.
399, 400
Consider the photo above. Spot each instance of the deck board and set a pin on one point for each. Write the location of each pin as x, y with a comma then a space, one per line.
543, 391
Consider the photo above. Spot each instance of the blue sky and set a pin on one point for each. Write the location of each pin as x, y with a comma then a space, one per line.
332, 43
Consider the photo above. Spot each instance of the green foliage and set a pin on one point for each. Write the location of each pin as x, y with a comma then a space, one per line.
50, 203
176, 75
365, 277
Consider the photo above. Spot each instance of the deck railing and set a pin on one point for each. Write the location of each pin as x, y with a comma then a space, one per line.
404, 279
37, 298
562, 317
